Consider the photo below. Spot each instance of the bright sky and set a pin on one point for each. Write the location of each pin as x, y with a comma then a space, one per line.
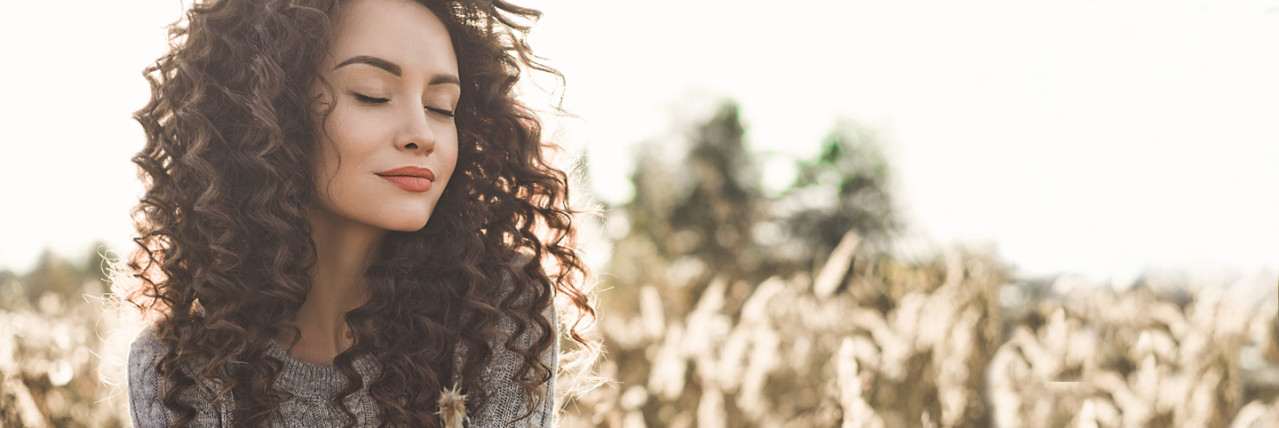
1080, 136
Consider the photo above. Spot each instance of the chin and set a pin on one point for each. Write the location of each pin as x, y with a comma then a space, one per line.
415, 228
401, 218
405, 226
409, 224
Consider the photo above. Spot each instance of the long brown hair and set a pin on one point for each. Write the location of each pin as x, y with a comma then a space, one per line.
225, 247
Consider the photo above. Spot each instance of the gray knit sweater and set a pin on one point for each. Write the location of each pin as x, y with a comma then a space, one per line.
312, 384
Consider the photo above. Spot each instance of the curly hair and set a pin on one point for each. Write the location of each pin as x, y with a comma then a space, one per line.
224, 246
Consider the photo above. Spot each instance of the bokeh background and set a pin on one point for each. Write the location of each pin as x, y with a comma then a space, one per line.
917, 213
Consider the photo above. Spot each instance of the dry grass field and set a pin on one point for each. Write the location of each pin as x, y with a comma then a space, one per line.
863, 341
873, 342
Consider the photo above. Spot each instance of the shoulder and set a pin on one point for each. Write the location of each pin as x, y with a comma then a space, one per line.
516, 289
145, 383
506, 400
147, 387
509, 275
145, 352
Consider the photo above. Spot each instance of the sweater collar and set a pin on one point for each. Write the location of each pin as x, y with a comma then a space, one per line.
306, 378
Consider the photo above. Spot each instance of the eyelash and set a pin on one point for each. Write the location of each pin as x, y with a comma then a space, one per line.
369, 100
374, 100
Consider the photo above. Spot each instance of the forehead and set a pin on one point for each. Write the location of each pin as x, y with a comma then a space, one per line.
401, 31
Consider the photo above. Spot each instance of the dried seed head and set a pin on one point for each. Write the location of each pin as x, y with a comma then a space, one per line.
452, 407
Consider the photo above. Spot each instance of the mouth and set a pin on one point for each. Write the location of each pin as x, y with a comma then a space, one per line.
410, 178
409, 171
409, 182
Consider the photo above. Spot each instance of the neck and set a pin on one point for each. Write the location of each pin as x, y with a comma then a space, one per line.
344, 251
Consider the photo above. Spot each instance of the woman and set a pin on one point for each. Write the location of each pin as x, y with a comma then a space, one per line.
348, 220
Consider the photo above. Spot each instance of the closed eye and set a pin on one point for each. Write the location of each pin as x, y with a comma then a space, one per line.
441, 111
369, 100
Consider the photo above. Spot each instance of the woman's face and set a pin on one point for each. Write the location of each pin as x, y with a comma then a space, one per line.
390, 143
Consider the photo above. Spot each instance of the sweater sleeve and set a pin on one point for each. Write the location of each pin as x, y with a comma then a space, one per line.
145, 392
507, 400
147, 389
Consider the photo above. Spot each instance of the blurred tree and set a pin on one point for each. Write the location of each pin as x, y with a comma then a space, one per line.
52, 274
692, 213
65, 278
700, 213
11, 293
845, 188
721, 207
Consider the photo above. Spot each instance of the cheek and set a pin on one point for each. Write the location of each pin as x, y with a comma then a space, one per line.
337, 154
323, 163
449, 158
348, 136
324, 155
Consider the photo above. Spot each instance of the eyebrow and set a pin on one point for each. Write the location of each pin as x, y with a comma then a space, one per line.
389, 66
395, 69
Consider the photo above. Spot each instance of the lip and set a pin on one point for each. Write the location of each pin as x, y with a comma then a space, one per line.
410, 171
410, 178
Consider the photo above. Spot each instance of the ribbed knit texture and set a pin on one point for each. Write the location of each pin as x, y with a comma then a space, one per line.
312, 384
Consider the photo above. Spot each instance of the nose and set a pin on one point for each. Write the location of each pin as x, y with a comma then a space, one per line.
416, 134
